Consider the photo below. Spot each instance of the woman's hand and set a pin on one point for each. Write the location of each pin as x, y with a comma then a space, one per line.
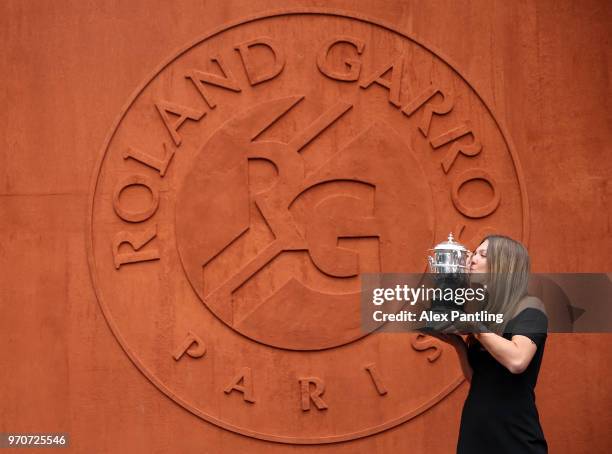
450, 338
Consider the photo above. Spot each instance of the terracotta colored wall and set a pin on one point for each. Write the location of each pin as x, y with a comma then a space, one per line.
532, 80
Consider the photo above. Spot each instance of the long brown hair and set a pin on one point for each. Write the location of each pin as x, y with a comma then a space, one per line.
507, 277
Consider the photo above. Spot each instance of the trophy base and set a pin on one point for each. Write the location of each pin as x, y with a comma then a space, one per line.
440, 319
440, 312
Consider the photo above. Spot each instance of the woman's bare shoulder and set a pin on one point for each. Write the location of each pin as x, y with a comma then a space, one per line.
531, 302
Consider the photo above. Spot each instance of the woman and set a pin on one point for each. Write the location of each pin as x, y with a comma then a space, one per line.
502, 363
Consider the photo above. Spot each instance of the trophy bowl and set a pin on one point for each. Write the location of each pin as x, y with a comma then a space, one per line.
449, 258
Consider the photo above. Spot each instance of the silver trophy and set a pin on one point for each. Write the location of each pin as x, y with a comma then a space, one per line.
449, 269
449, 258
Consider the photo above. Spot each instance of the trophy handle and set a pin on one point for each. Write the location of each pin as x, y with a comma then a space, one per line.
431, 264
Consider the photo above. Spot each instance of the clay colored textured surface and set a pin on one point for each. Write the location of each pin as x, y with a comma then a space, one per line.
189, 195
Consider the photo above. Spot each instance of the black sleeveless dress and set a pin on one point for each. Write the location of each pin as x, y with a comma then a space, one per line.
499, 415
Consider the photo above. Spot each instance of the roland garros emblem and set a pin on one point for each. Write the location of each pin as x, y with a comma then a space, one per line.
247, 186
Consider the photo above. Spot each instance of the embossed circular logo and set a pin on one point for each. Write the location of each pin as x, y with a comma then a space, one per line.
247, 186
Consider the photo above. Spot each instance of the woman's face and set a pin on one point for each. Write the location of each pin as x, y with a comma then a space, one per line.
478, 261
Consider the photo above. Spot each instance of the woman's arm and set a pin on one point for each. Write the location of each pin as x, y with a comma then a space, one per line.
515, 355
